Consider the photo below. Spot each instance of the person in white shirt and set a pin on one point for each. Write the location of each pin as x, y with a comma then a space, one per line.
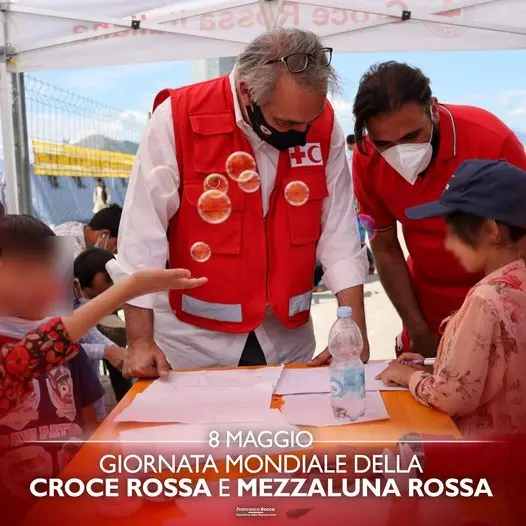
273, 104
102, 231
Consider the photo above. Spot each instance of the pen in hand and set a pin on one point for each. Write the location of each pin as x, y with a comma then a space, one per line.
425, 361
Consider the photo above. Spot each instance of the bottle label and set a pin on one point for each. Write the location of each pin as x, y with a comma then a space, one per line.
349, 381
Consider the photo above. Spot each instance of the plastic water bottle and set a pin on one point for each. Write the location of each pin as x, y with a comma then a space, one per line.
347, 371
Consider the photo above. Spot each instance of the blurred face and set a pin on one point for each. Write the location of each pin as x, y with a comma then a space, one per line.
28, 286
412, 124
350, 147
474, 258
291, 107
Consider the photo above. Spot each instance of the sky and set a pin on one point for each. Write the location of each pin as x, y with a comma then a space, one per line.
494, 80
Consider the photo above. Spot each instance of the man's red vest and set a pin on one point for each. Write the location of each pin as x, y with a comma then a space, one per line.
255, 260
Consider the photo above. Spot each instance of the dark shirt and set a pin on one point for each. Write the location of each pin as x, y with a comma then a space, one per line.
50, 411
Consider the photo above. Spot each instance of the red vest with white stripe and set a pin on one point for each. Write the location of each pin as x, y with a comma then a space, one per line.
255, 261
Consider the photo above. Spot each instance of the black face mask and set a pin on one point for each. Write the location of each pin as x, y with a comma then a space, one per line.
280, 140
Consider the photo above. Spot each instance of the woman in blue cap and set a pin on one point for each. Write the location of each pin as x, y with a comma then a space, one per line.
478, 377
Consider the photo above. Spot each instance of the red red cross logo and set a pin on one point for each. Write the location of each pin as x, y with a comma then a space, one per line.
308, 155
297, 155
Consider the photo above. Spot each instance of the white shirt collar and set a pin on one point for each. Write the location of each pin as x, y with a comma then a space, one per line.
237, 108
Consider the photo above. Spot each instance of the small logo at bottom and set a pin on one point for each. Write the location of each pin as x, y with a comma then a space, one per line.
255, 512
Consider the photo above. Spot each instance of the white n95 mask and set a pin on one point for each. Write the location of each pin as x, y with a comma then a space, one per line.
409, 160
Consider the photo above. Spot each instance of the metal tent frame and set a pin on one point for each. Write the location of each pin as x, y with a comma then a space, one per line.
14, 55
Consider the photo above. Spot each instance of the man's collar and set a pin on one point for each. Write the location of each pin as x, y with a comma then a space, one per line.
447, 148
237, 108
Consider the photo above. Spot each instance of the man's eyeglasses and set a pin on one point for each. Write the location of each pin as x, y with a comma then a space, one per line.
299, 62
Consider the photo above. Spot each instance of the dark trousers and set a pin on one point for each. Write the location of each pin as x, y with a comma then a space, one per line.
318, 273
119, 384
252, 352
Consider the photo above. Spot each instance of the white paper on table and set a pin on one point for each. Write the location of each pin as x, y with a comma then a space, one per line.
303, 381
193, 439
316, 380
374, 368
217, 378
316, 410
200, 405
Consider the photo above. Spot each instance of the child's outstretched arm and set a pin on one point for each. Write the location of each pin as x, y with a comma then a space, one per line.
138, 284
54, 342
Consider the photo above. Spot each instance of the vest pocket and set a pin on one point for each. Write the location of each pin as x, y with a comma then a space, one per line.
212, 141
305, 220
223, 238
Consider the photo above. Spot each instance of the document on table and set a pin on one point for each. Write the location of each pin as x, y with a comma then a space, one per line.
316, 380
200, 405
216, 379
192, 439
316, 410
303, 381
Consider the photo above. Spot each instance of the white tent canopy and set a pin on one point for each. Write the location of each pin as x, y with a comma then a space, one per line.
51, 34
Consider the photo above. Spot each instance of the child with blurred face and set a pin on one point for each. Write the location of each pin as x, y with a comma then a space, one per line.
28, 278
46, 380
478, 376
28, 287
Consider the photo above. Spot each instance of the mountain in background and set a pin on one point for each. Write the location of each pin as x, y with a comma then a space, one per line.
101, 142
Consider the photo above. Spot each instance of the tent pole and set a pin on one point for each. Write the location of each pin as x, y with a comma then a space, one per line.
8, 135
23, 163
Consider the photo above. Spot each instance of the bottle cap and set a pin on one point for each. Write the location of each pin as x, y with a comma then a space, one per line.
344, 312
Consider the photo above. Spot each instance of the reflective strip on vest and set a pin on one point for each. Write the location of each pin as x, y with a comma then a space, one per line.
211, 311
300, 303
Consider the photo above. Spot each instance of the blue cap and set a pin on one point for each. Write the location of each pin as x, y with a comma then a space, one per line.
344, 312
489, 189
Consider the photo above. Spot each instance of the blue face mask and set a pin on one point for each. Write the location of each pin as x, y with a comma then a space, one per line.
80, 299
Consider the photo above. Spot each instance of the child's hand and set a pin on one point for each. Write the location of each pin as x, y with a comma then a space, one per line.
150, 281
138, 284
409, 357
396, 374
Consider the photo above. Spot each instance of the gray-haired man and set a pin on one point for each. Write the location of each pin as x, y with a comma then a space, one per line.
260, 260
